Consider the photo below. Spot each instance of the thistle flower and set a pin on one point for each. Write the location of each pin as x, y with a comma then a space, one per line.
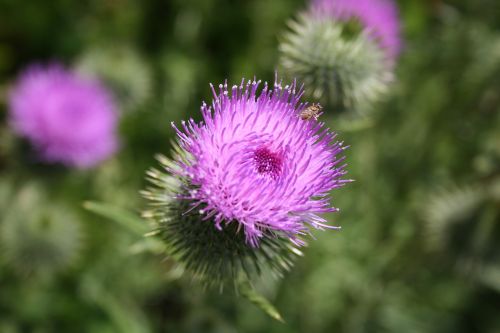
253, 176
68, 119
343, 50
379, 18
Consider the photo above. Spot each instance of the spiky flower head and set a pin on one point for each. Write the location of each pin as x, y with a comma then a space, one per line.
252, 178
344, 50
379, 18
68, 119
37, 237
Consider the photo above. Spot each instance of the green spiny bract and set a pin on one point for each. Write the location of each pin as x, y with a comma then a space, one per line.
341, 66
214, 257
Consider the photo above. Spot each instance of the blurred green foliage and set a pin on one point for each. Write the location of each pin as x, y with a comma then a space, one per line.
418, 250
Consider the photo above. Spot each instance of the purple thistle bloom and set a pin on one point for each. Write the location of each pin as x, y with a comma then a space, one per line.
255, 162
380, 18
68, 119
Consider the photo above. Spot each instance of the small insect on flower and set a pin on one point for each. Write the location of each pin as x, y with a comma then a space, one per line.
313, 111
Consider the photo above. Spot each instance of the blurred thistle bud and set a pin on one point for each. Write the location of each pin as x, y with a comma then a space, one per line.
245, 185
123, 70
452, 214
68, 119
37, 237
344, 51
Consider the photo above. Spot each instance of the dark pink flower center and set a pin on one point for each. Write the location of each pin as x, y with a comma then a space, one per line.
267, 162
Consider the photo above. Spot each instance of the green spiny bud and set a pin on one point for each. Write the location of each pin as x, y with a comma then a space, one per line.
123, 70
37, 236
214, 257
338, 62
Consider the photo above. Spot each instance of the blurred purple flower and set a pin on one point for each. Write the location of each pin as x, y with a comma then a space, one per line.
68, 119
380, 18
255, 162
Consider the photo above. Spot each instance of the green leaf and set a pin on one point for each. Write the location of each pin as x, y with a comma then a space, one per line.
490, 276
126, 219
253, 296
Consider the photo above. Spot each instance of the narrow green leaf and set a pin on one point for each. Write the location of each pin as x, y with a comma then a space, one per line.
124, 218
490, 276
253, 296
150, 245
